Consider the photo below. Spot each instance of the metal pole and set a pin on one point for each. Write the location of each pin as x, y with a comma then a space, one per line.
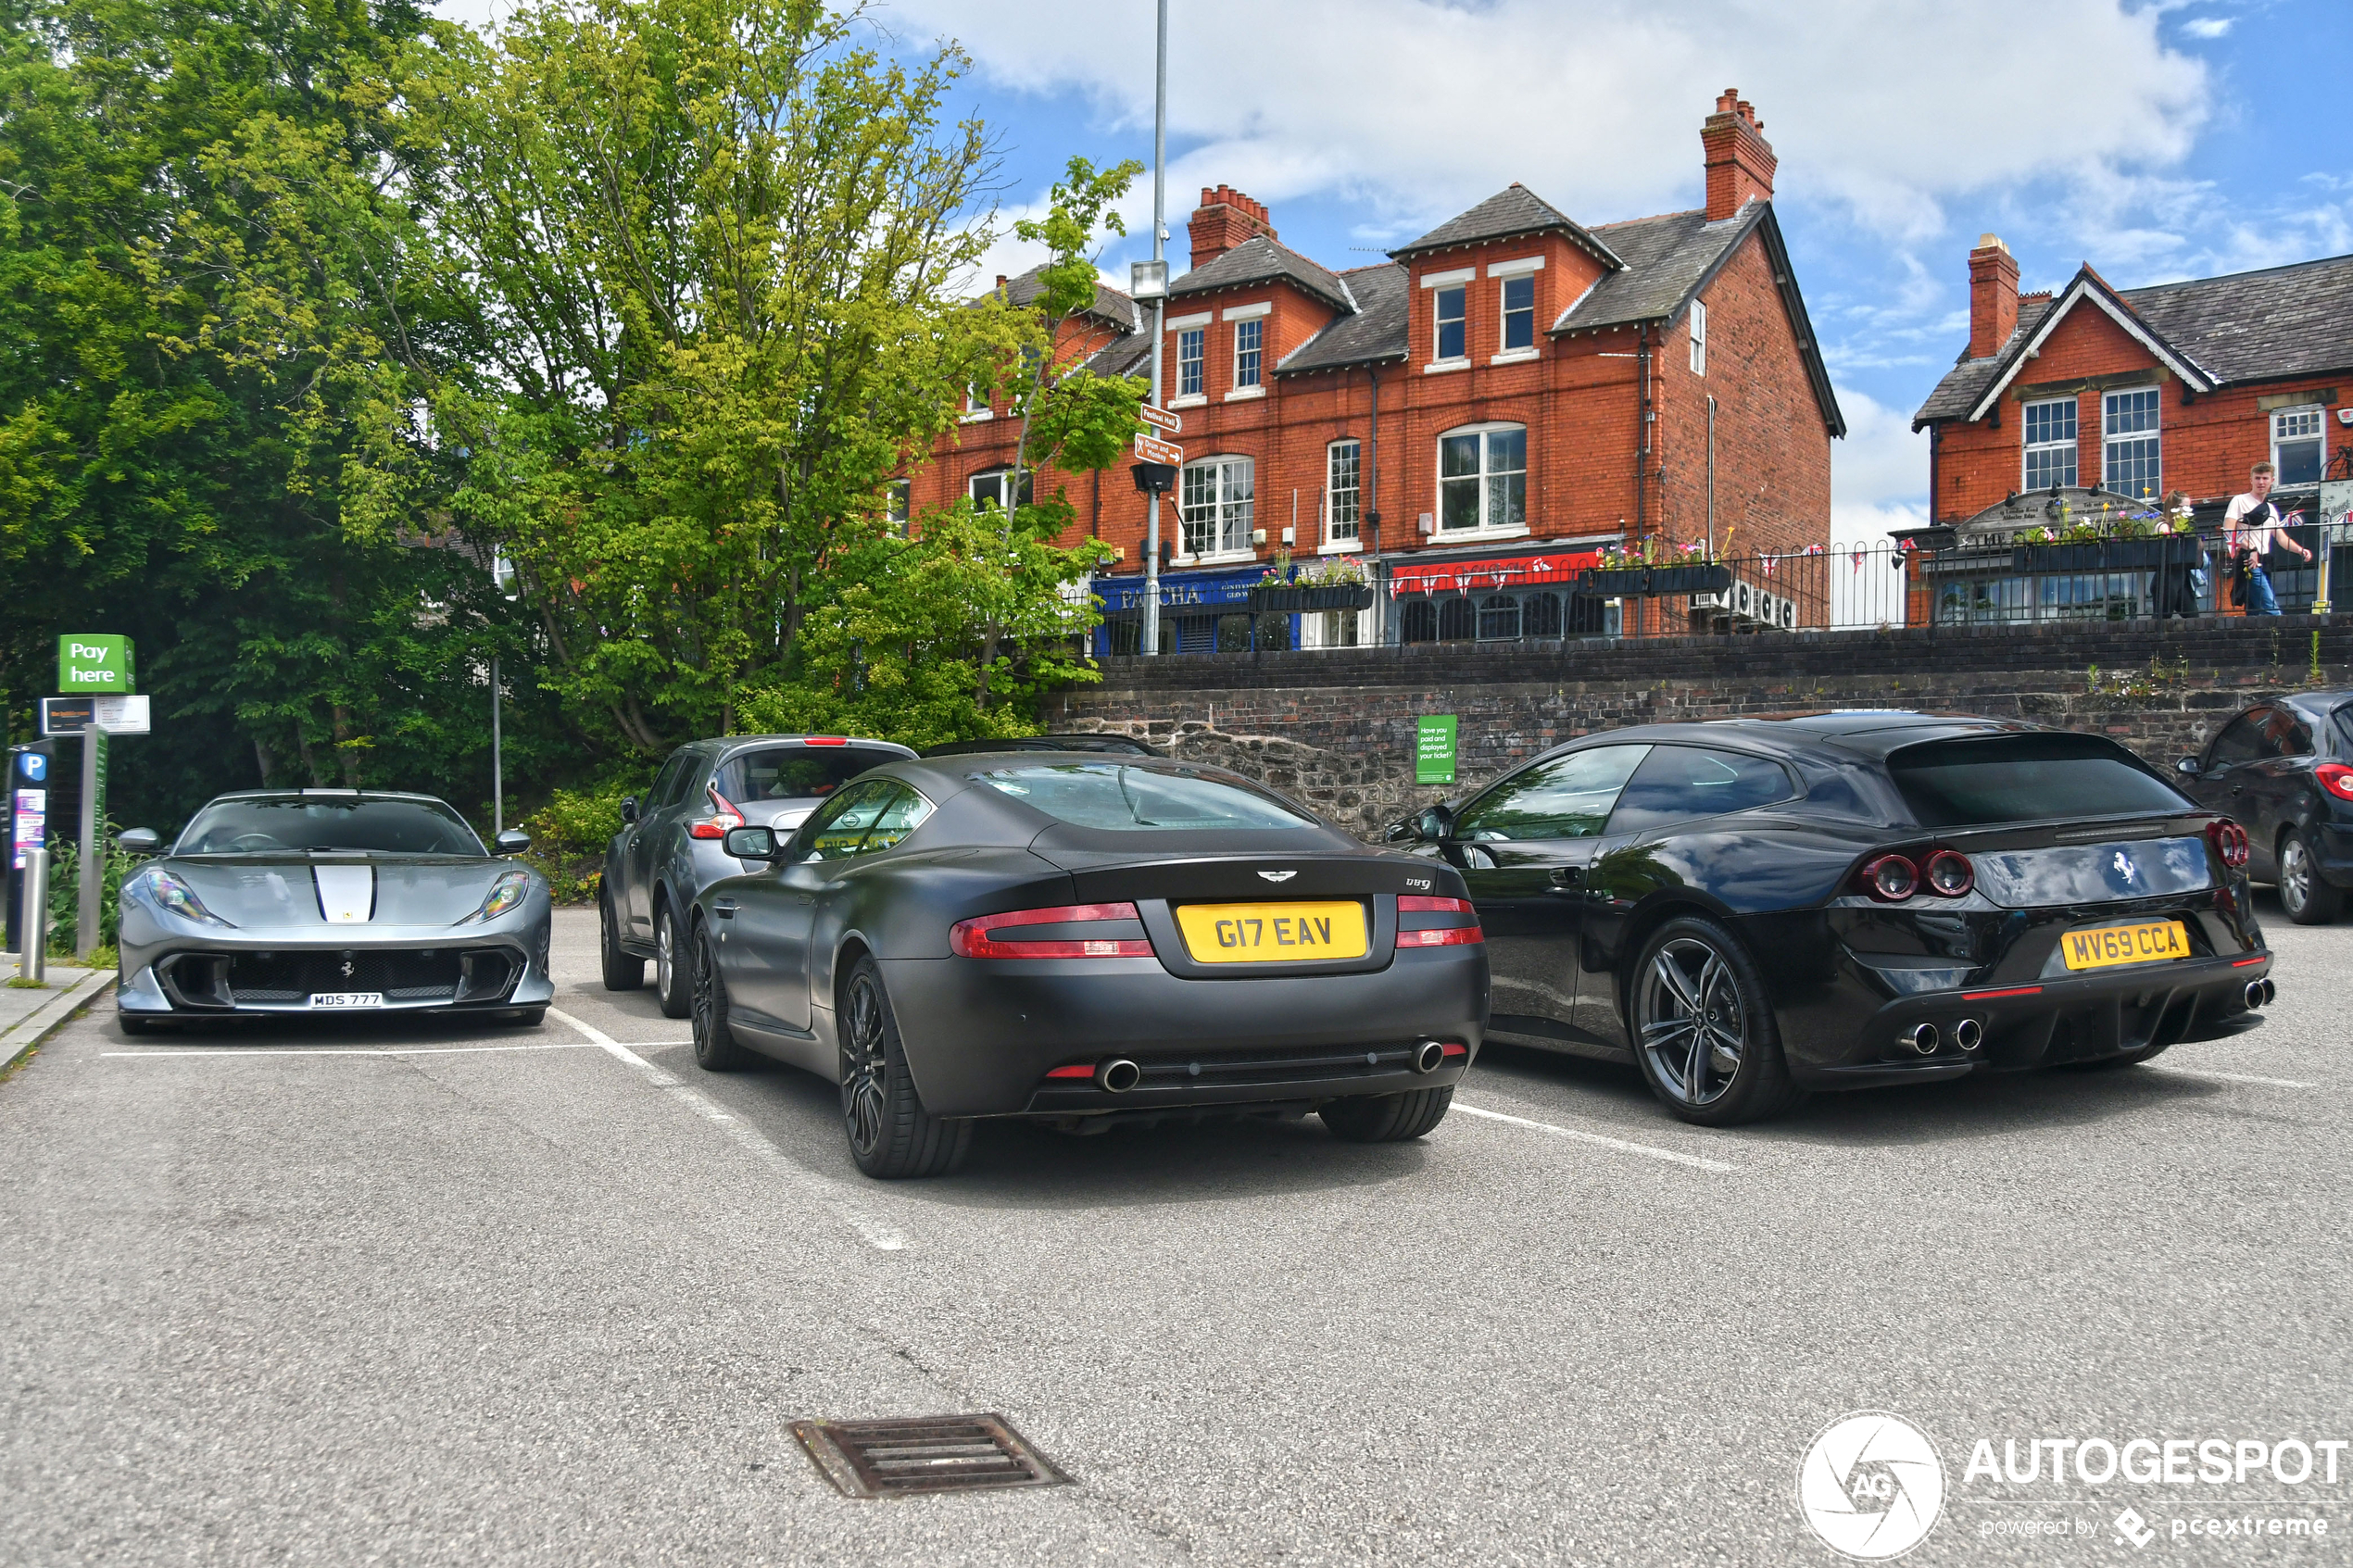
497, 762
32, 923
1160, 205
93, 824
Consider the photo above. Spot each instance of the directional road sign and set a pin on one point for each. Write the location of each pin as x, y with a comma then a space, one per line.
1153, 450
1161, 418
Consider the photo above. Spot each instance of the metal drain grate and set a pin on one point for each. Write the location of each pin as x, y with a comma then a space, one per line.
936, 1454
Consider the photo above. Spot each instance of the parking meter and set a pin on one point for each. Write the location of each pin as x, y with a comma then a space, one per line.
29, 770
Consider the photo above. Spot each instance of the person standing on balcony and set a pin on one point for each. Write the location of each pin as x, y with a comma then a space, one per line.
2252, 529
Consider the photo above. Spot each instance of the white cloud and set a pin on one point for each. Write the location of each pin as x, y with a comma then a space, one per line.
2207, 27
1879, 474
1414, 107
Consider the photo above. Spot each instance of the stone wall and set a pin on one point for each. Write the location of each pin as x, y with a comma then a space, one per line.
1337, 728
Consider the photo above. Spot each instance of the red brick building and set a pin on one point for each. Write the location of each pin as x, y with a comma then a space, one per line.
1474, 417
2142, 391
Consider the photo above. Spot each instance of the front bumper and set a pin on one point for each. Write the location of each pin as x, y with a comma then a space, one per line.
230, 973
980, 1034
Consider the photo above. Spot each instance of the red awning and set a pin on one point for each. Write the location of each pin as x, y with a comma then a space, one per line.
1505, 571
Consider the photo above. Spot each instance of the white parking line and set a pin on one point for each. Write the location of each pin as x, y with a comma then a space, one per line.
2234, 1077
1695, 1162
175, 1052
830, 1193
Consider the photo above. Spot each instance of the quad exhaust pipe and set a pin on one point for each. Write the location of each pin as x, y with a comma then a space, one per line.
1428, 1057
1921, 1037
1118, 1075
2260, 993
1968, 1034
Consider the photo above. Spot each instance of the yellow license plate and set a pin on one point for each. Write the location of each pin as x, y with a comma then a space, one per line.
1273, 933
2147, 942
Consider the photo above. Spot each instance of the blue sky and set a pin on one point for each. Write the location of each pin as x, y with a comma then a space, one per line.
2156, 141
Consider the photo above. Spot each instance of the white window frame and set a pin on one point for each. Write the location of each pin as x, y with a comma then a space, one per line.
975, 405
1250, 363
1354, 538
2072, 444
1504, 352
1199, 326
974, 482
2108, 440
1699, 337
1438, 357
1233, 503
1486, 527
2318, 415
897, 505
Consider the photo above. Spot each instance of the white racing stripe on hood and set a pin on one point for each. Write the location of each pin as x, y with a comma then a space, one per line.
347, 893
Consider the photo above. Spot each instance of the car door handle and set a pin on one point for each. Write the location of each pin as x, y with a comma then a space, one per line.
1569, 876
723, 908
2238, 789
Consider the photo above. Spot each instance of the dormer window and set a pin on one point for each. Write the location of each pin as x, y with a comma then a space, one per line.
1449, 313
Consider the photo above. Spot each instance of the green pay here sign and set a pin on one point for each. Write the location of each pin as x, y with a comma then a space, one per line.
1434, 749
93, 662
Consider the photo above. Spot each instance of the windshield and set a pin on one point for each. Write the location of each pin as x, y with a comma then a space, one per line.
795, 773
1113, 796
1954, 784
275, 827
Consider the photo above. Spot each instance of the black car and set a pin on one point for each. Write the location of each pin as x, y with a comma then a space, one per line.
2285, 769
1125, 745
1086, 939
1754, 909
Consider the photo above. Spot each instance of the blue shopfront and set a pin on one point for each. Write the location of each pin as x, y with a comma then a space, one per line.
1200, 612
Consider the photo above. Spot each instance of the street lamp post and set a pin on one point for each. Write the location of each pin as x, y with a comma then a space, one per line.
1160, 200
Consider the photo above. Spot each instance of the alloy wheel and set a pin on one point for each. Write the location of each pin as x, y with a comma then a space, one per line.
663, 959
702, 976
2295, 875
863, 1066
1690, 1021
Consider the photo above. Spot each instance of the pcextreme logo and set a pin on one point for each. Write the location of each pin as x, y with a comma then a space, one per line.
1871, 1486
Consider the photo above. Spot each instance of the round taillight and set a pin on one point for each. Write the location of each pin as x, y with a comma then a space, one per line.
2230, 841
2336, 778
1949, 874
1891, 879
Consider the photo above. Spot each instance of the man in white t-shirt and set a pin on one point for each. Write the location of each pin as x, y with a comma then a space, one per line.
2253, 525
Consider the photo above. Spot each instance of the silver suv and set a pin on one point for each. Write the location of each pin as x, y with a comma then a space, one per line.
670, 844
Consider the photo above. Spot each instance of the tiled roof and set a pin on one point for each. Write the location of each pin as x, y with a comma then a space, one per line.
2283, 322
1376, 333
1110, 304
1131, 355
1514, 210
1261, 260
1666, 258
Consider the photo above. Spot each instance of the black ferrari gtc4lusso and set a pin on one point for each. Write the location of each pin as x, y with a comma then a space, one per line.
1752, 909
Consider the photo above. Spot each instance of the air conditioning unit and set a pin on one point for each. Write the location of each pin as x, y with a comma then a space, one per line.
1746, 602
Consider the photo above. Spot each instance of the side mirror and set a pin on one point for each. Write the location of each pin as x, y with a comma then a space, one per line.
2187, 766
751, 844
1436, 825
629, 810
139, 841
514, 841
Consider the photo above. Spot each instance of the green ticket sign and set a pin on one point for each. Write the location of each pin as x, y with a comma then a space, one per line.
93, 662
1434, 749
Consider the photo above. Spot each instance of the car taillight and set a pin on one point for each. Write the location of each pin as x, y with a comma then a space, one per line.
2230, 841
1891, 879
824, 740
981, 937
1949, 874
2336, 778
1445, 936
724, 816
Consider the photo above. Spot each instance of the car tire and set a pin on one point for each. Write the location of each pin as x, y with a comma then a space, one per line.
891, 1135
624, 971
674, 988
1723, 1065
716, 1049
2308, 899
1386, 1118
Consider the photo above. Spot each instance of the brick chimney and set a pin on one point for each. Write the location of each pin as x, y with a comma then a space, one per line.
1993, 295
1225, 219
1740, 161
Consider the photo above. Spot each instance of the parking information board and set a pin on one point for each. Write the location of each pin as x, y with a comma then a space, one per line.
1434, 749
116, 715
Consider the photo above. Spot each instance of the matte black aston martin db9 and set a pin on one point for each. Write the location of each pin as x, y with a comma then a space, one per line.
1750, 909
1083, 939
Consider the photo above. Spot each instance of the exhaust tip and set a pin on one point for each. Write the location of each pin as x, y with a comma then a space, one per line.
1118, 1076
1428, 1057
1921, 1037
2270, 993
1968, 1034
2255, 997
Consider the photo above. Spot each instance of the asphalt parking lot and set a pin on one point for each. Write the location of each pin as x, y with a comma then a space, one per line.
368, 1290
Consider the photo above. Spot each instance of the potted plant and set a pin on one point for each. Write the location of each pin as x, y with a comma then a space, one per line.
1334, 583
1653, 570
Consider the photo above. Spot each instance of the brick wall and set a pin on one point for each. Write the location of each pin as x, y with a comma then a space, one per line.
1337, 728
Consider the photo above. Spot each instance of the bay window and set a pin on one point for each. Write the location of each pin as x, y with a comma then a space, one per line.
1482, 478
1214, 501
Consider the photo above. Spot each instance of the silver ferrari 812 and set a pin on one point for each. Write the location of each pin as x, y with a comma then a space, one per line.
331, 900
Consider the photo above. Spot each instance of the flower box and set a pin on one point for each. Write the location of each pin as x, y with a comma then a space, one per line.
1293, 597
2107, 555
1652, 581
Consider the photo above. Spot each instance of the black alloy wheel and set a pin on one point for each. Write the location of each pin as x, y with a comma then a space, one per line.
715, 1047
891, 1135
2303, 894
624, 971
1386, 1118
670, 989
1704, 1032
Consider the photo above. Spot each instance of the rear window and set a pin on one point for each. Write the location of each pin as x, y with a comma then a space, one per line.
1119, 798
1954, 784
274, 827
795, 773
